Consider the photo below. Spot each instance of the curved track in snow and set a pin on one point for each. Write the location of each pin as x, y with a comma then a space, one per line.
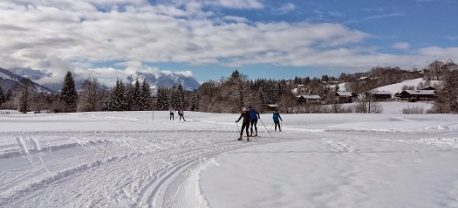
130, 160
107, 169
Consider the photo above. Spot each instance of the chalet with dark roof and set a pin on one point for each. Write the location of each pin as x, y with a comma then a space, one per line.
309, 99
417, 95
381, 95
345, 97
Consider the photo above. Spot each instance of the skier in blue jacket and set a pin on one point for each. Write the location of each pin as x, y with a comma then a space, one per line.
276, 117
254, 116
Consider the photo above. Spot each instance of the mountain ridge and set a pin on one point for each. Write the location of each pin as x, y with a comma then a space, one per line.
11, 78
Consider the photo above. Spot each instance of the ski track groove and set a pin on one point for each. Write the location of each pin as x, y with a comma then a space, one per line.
146, 170
173, 160
23, 150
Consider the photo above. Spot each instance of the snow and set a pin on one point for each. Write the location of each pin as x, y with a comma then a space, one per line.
142, 159
4, 76
398, 86
342, 87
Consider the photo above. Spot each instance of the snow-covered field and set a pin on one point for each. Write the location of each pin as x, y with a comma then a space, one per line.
129, 159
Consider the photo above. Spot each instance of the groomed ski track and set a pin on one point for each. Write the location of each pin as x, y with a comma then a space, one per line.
95, 160
112, 168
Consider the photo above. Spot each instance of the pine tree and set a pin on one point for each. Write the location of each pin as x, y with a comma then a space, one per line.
68, 94
194, 102
162, 99
145, 97
115, 101
174, 99
136, 96
119, 97
180, 96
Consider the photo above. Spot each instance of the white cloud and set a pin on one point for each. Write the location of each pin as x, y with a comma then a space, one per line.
236, 19
62, 35
453, 38
240, 4
401, 46
381, 16
285, 8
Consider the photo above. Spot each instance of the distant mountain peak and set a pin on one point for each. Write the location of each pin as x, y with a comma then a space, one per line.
10, 80
32, 74
166, 79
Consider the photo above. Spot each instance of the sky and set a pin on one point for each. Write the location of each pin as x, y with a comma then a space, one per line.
112, 39
131, 159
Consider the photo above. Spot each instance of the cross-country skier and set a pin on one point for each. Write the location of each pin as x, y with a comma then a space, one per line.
181, 113
245, 124
254, 116
276, 117
172, 114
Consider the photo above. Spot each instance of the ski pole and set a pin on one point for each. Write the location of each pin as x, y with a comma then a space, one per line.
238, 129
266, 128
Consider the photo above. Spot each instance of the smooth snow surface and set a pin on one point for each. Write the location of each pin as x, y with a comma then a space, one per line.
127, 159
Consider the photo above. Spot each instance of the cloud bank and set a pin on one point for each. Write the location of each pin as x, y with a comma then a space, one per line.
82, 36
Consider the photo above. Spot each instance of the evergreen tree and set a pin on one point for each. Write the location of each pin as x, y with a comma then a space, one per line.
128, 97
116, 101
119, 97
162, 102
174, 99
180, 96
145, 97
136, 96
194, 102
68, 94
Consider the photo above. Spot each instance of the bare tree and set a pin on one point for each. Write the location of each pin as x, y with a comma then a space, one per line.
447, 96
90, 96
237, 92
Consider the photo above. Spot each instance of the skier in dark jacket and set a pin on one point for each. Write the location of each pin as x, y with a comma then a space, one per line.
245, 124
181, 113
276, 117
254, 116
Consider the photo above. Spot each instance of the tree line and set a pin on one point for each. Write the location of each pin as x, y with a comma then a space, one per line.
92, 97
230, 94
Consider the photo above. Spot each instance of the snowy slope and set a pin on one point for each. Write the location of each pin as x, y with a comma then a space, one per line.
398, 86
10, 80
143, 159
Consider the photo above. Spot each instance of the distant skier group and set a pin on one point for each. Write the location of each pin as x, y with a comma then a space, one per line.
250, 120
180, 113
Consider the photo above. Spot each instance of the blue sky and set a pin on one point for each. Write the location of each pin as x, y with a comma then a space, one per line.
111, 39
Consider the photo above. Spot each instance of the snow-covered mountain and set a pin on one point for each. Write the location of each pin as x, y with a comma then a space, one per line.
10, 81
32, 74
155, 79
166, 79
37, 75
